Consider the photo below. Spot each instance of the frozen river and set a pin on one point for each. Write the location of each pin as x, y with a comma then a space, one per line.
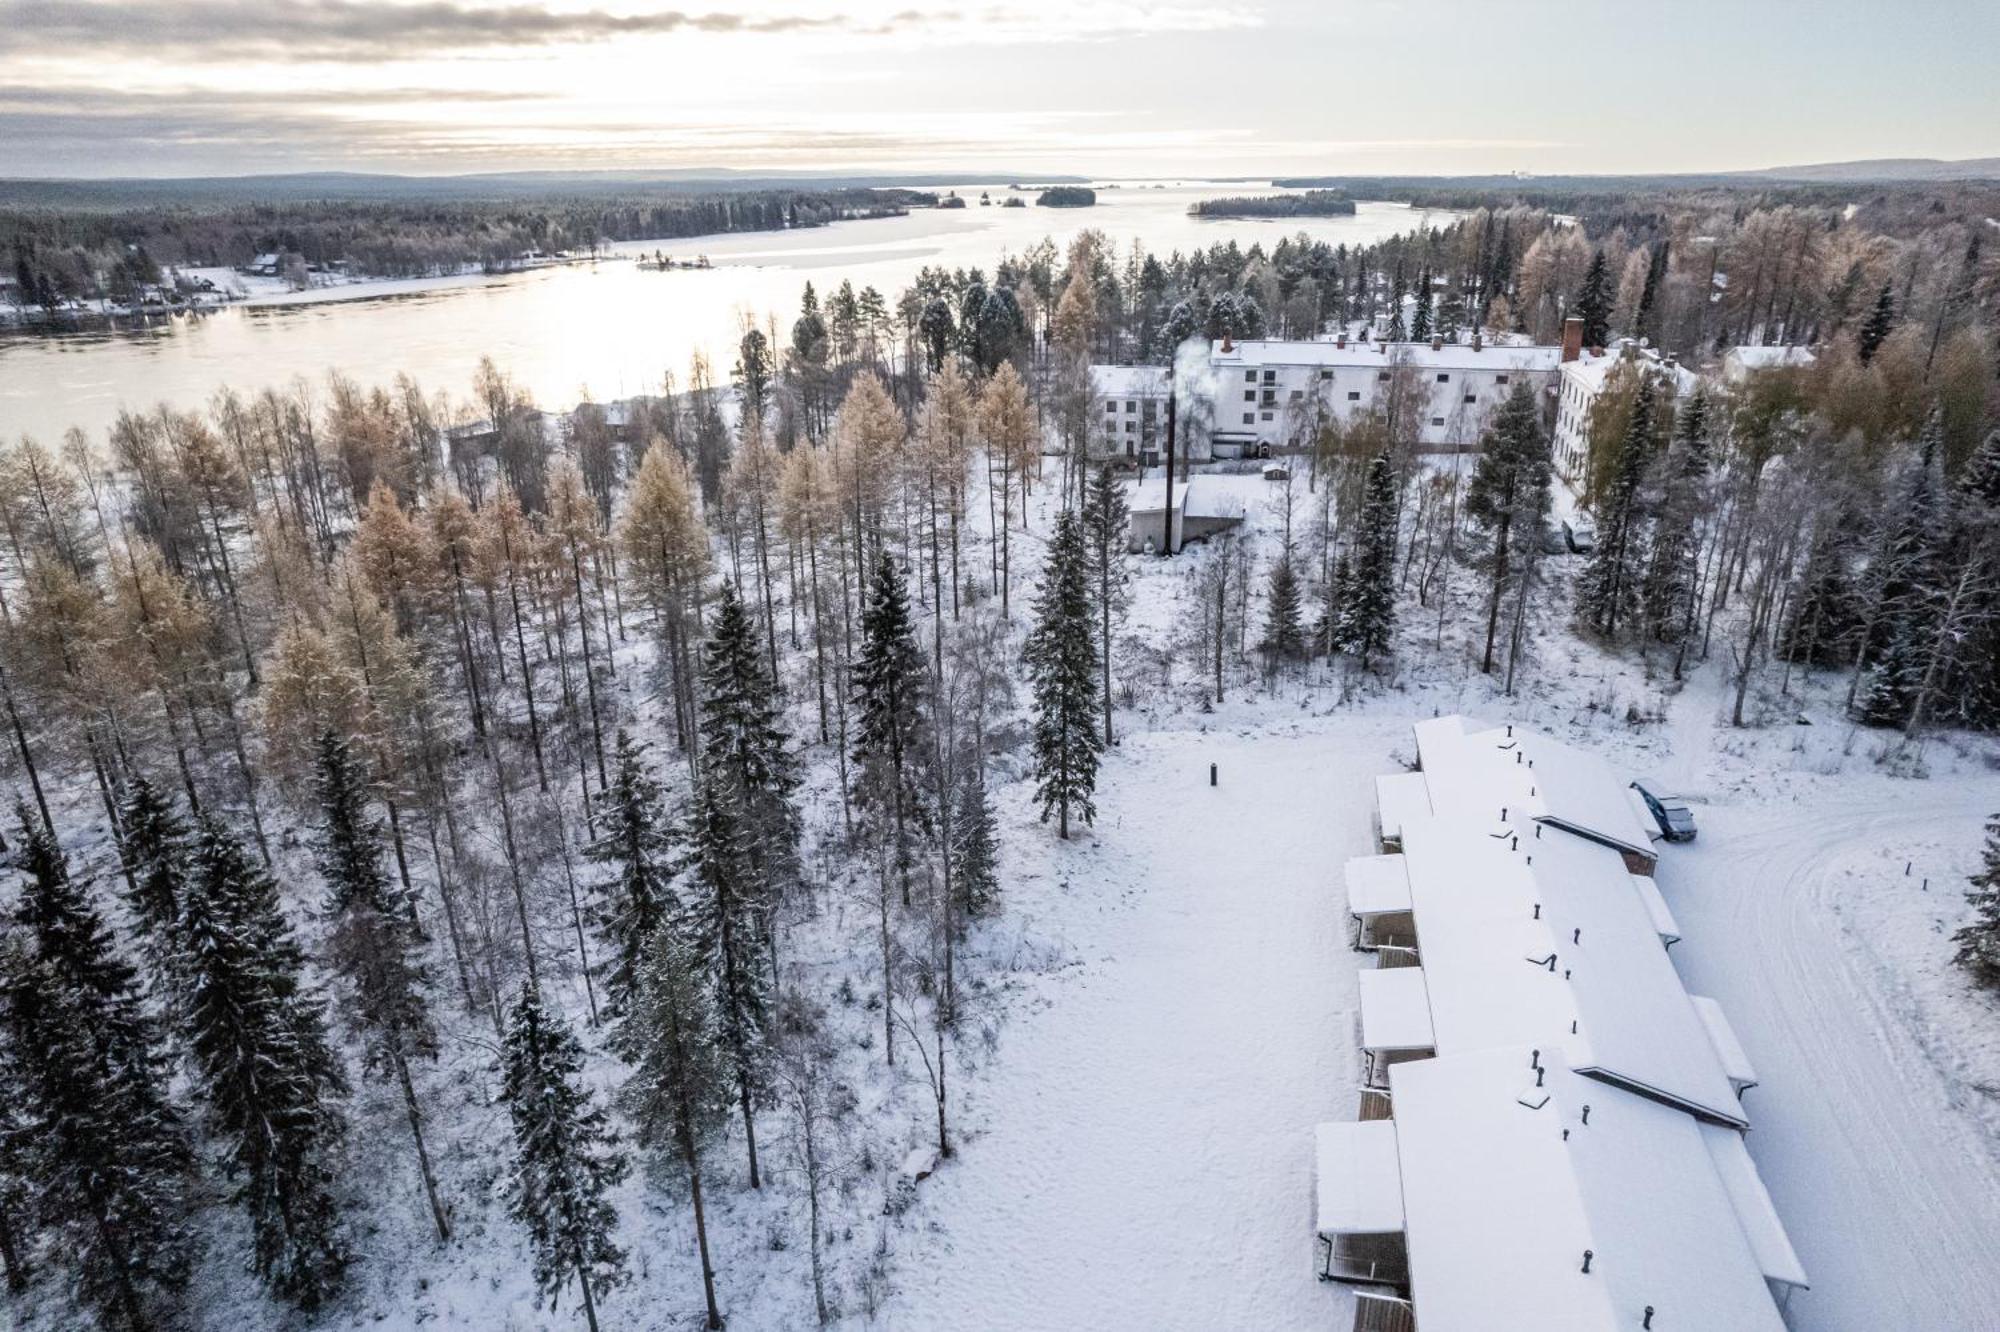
609, 329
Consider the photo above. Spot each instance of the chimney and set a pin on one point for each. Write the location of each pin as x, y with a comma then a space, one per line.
1340, 341
1572, 338
1227, 347
1437, 342
1477, 341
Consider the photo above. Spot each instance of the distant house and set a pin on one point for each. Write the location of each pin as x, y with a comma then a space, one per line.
1740, 363
264, 265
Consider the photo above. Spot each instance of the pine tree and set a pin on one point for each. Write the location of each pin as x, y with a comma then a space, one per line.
1509, 495
1061, 656
1880, 323
266, 1073
1904, 578
724, 921
566, 1157
976, 876
892, 727
96, 1131
1607, 594
638, 843
743, 745
1105, 516
1284, 634
679, 1091
1370, 603
375, 944
1667, 589
1420, 316
1593, 302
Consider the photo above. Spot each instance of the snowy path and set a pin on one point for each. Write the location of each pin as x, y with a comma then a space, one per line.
1890, 1190
1148, 1162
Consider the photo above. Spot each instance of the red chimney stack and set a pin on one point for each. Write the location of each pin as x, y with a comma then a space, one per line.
1572, 338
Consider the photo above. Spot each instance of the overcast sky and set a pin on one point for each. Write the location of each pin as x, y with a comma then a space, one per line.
1176, 87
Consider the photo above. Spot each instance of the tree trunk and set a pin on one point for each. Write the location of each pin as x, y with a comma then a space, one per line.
693, 1163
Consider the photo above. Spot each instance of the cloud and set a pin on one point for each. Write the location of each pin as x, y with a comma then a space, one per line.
366, 30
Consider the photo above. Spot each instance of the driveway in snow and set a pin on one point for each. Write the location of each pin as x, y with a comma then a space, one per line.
1148, 1162
1890, 1191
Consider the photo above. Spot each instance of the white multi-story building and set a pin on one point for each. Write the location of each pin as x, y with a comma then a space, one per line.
1129, 406
1583, 380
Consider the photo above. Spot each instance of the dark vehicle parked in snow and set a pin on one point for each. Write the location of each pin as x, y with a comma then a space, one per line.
1675, 819
1580, 533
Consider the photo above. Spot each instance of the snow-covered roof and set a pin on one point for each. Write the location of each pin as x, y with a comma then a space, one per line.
1395, 1010
1381, 355
1506, 1186
1769, 358
1477, 774
1728, 1049
1377, 884
1359, 1184
1129, 381
1769, 1243
1664, 924
1591, 369
1399, 797
1194, 497
1544, 940
1150, 495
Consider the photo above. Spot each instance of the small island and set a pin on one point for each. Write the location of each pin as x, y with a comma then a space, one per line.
1067, 196
1305, 203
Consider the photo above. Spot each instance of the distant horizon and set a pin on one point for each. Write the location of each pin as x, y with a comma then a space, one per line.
176, 89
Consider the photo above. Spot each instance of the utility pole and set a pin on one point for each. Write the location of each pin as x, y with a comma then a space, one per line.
1167, 513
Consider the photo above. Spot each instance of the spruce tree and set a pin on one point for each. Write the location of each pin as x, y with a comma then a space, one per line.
1370, 602
638, 844
93, 1124
1106, 513
566, 1157
1061, 656
892, 726
1826, 614
1334, 630
743, 745
1667, 588
724, 922
375, 945
1284, 633
265, 1072
1880, 323
679, 1091
1509, 496
1979, 941
976, 877
156, 856
1608, 592
1420, 315
1593, 302
1904, 583
17, 1226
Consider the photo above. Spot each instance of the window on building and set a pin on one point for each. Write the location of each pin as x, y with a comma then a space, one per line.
1353, 395
1437, 420
1326, 374
1249, 395
1270, 376
1382, 378
1298, 394
1264, 415
1130, 426
1499, 379
1131, 405
1472, 397
1444, 379
1249, 418
1249, 376
1110, 406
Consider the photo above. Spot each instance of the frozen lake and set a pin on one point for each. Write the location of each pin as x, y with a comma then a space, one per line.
608, 328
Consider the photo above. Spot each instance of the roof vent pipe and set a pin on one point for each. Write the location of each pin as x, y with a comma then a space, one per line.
1538, 911
1586, 1115
1538, 1077
1647, 1321
1576, 935
1587, 1256
1534, 1058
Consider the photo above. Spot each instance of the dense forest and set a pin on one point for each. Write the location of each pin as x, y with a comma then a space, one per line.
1304, 203
58, 254
421, 830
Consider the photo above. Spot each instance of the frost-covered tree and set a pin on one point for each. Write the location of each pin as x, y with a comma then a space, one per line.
976, 868
637, 843
1667, 589
1594, 301
566, 1157
1880, 323
1284, 632
724, 921
1369, 606
156, 862
1061, 657
680, 1088
1105, 515
263, 1067
893, 725
375, 944
1608, 593
104, 1146
1509, 496
743, 747
1905, 581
